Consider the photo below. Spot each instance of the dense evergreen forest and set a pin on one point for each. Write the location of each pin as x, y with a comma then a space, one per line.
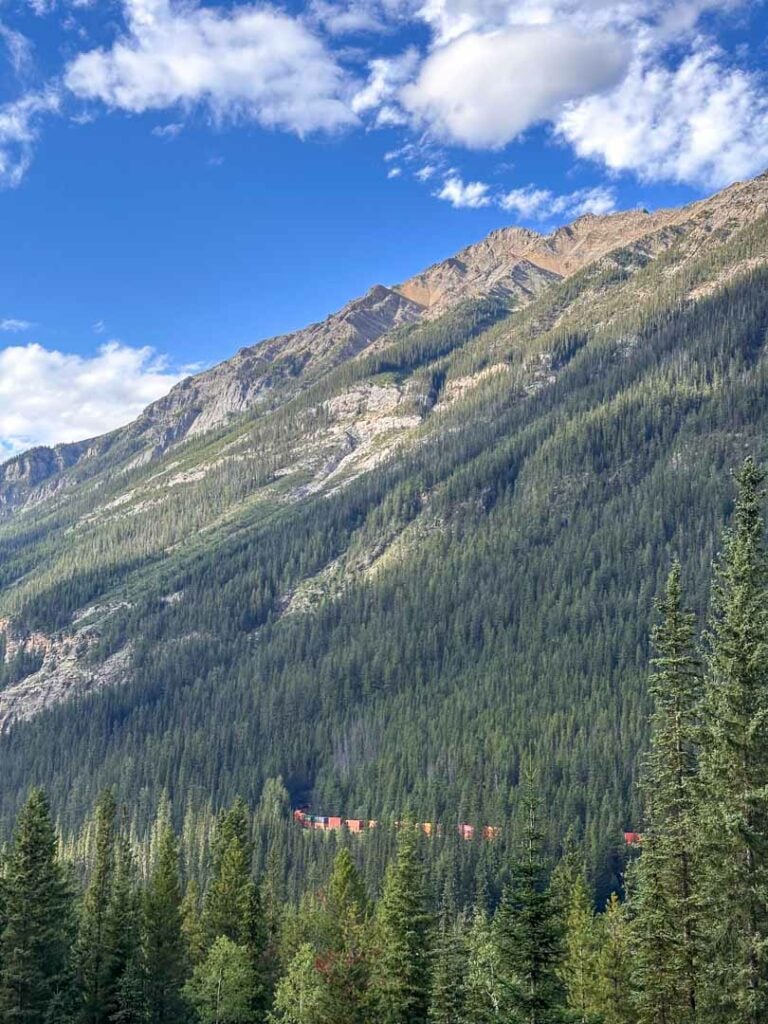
479, 601
235, 923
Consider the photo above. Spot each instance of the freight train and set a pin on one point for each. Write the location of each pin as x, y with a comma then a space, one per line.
330, 823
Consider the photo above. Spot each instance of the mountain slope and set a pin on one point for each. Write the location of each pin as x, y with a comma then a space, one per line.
511, 265
434, 543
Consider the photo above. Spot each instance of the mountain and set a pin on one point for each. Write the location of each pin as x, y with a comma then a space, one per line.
387, 555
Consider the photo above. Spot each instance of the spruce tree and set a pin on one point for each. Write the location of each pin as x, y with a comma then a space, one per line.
92, 952
401, 969
36, 945
191, 924
579, 970
124, 990
448, 993
664, 900
345, 962
164, 948
529, 935
732, 825
614, 983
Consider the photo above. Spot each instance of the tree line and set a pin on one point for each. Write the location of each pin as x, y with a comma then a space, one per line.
132, 936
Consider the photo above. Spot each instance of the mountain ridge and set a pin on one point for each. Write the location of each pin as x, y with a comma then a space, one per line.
512, 264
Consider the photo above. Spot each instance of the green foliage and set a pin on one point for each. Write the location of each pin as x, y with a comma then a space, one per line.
300, 995
733, 817
529, 934
36, 942
579, 971
165, 954
222, 988
666, 947
93, 954
615, 990
401, 967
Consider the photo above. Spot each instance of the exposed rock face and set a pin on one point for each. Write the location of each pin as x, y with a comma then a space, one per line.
211, 398
518, 262
27, 472
63, 674
513, 264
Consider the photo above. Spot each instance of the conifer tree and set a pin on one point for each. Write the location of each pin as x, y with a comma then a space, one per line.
732, 822
36, 945
92, 953
191, 923
614, 966
579, 971
401, 970
124, 993
233, 907
164, 949
345, 962
529, 935
448, 992
664, 902
482, 999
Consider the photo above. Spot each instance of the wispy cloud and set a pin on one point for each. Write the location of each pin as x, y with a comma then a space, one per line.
168, 131
19, 131
529, 202
541, 204
14, 326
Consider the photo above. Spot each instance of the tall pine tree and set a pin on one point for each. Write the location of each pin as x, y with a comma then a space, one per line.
665, 925
36, 945
733, 818
92, 955
164, 947
529, 935
401, 972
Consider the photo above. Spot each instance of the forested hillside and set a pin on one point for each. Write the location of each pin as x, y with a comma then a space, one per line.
226, 924
404, 568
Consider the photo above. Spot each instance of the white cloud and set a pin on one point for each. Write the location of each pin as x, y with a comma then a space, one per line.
663, 19
47, 396
483, 89
386, 76
14, 326
541, 204
426, 172
18, 47
529, 202
350, 18
702, 122
471, 194
168, 131
394, 172
19, 129
244, 62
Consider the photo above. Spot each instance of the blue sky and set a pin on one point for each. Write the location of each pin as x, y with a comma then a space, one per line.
179, 180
